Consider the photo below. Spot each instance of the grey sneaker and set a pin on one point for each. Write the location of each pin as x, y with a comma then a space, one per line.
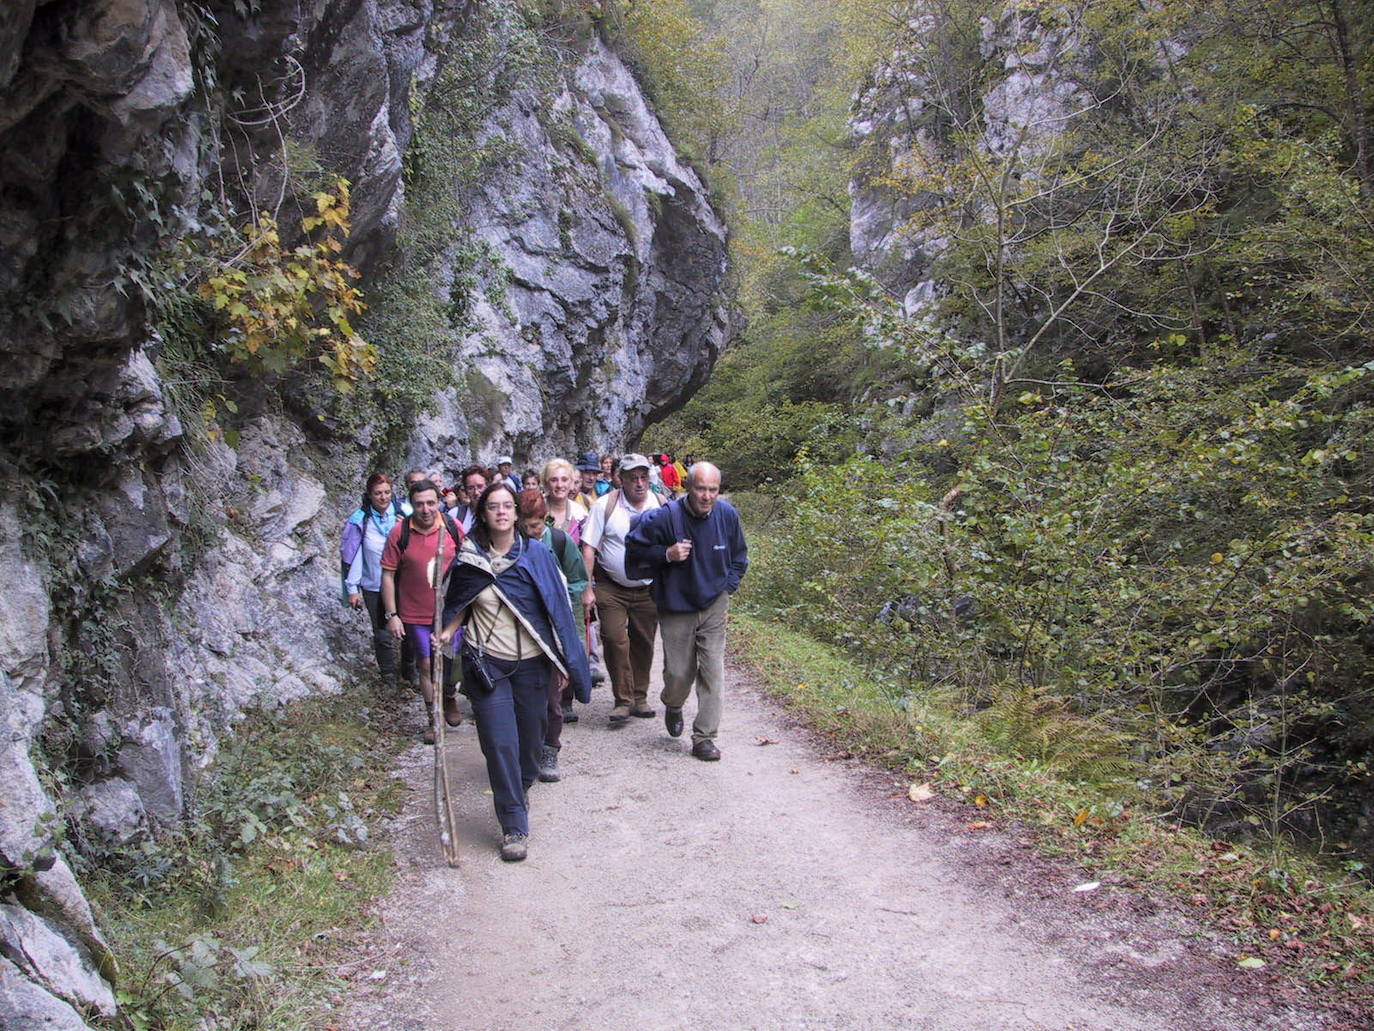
548, 764
513, 847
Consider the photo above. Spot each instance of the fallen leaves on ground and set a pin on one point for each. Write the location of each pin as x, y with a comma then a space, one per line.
765, 740
920, 792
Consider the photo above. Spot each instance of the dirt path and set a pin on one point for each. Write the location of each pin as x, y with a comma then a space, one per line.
774, 889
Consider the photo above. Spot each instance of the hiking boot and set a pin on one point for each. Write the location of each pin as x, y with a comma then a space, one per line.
672, 720
453, 715
513, 847
620, 715
569, 716
706, 750
548, 764
643, 712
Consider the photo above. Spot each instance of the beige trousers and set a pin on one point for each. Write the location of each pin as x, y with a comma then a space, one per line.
694, 652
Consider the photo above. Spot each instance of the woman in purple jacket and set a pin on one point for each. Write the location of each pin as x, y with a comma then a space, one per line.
360, 558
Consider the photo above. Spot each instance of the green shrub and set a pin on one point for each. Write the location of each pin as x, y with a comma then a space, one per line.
273, 307
230, 922
1176, 554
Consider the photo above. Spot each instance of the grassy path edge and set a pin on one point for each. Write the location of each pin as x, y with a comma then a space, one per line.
1288, 918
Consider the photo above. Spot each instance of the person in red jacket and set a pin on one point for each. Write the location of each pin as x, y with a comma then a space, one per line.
672, 484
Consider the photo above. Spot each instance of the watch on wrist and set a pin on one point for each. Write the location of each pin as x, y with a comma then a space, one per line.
390, 616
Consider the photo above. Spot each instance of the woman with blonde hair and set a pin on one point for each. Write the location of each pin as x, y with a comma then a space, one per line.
565, 512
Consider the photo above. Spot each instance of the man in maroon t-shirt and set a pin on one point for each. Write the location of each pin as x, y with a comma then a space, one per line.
409, 580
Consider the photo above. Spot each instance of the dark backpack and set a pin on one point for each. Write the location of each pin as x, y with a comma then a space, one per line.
404, 540
560, 541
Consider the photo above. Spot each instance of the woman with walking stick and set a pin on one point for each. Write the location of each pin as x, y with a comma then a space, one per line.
508, 594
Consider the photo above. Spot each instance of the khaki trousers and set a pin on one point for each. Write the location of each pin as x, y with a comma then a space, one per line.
629, 621
694, 652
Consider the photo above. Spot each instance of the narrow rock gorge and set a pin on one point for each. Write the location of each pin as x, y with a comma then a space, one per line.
171, 528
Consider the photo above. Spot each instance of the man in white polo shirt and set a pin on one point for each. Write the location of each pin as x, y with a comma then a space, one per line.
629, 618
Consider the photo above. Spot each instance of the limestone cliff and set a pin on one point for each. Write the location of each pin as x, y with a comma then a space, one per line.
158, 585
611, 312
904, 119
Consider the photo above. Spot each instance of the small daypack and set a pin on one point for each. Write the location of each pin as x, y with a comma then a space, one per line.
404, 540
560, 541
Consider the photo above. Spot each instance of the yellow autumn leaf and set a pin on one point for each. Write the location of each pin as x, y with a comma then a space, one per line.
1080, 818
980, 801
920, 792
1217, 558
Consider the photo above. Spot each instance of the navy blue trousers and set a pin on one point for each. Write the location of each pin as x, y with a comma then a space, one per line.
511, 722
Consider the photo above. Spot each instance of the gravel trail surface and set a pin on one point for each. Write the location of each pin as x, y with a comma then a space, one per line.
778, 888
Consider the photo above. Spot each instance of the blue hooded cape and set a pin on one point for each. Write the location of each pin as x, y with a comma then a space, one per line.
535, 591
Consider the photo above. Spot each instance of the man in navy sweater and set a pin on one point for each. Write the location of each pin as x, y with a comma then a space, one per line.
696, 549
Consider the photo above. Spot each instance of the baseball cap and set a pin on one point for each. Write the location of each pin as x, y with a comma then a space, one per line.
588, 463
633, 461
504, 460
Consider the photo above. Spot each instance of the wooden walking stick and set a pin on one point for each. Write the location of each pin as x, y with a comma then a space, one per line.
443, 796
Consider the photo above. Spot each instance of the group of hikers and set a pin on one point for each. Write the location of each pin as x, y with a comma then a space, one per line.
535, 587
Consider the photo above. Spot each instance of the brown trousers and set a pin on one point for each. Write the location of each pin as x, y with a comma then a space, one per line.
629, 621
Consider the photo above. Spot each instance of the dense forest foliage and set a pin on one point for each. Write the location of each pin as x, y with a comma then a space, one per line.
1095, 425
